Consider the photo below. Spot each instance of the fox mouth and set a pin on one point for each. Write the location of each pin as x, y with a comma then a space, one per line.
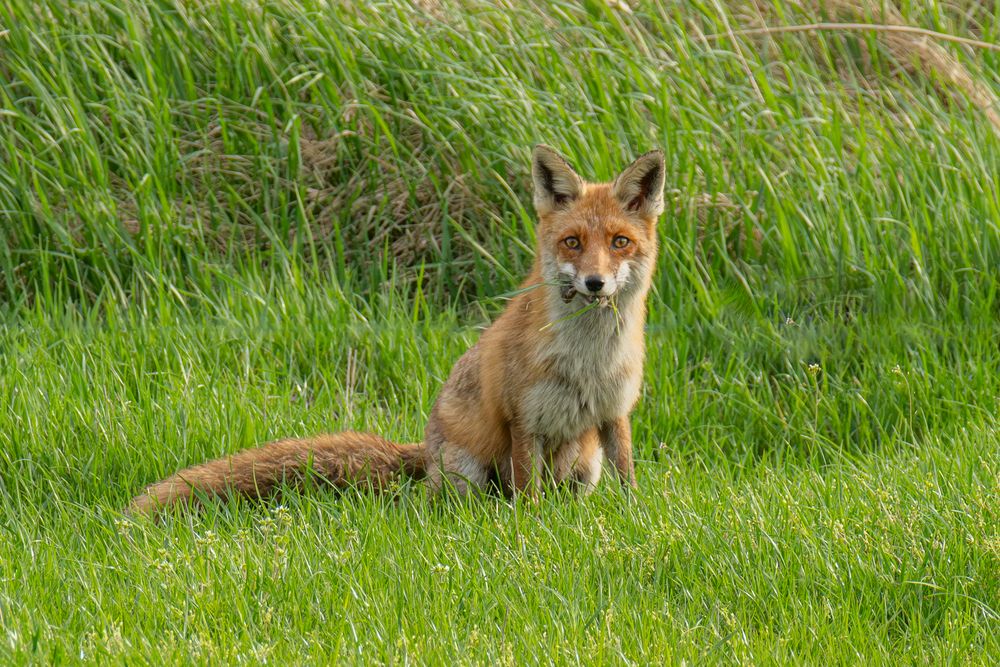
568, 293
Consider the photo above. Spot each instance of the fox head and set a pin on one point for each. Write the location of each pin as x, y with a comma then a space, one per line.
597, 241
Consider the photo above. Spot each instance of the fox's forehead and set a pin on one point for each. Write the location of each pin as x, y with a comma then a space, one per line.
595, 209
598, 202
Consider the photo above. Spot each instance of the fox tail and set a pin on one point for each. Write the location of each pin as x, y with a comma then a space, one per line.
341, 460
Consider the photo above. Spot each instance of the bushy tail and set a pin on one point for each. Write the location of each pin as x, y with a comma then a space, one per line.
341, 459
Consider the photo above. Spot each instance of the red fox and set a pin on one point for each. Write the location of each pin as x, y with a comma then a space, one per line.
545, 393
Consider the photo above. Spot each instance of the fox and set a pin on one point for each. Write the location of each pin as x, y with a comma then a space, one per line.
545, 395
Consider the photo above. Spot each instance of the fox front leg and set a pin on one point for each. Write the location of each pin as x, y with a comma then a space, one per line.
616, 440
526, 461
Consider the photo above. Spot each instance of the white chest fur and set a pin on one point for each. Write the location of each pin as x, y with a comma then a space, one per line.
593, 374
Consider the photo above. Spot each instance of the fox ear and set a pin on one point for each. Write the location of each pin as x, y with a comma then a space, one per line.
640, 187
556, 184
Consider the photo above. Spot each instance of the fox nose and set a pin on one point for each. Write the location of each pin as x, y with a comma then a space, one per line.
594, 283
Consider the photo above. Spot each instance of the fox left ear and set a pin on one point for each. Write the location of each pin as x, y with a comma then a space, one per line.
640, 187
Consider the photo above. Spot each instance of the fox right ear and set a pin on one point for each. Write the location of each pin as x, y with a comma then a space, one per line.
640, 187
556, 184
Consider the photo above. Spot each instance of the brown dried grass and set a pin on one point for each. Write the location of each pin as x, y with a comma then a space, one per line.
923, 55
917, 49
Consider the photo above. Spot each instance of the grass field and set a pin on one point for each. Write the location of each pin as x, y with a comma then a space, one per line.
227, 222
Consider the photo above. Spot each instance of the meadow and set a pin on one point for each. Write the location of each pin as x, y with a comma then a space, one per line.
227, 222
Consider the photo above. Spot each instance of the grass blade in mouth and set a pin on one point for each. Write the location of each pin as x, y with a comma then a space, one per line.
576, 313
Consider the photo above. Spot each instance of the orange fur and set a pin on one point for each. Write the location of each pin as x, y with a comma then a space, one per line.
339, 460
548, 387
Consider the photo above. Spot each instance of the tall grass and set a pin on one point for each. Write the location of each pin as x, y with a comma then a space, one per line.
163, 143
225, 222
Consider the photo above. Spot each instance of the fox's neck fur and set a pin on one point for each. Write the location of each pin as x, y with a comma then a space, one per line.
547, 391
594, 335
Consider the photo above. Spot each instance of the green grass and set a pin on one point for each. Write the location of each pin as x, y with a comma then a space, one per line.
222, 223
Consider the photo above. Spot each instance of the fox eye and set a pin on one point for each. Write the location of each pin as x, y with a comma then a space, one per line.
571, 242
620, 242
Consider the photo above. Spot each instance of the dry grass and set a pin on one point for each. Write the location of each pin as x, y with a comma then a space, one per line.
917, 49
924, 56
